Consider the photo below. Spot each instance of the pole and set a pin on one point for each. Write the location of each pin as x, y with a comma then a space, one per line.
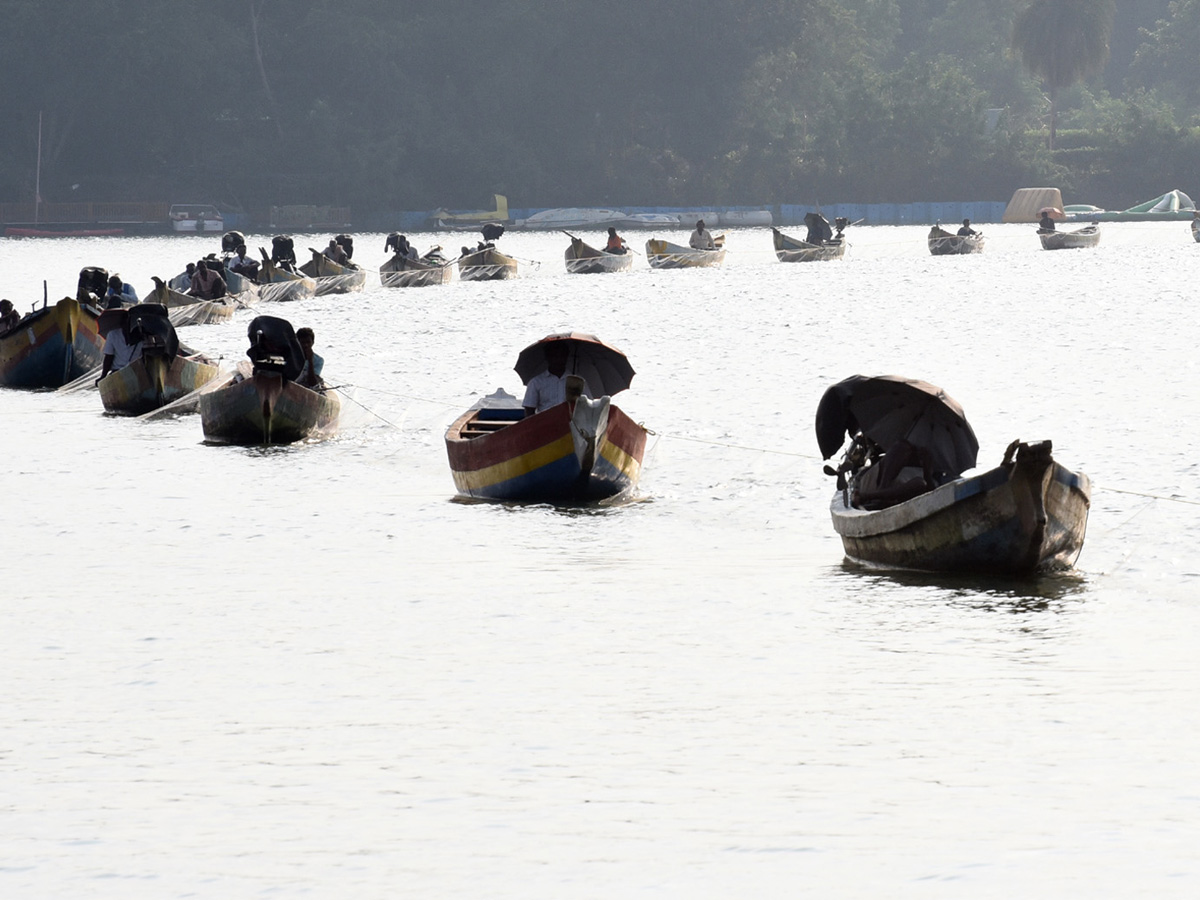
37, 190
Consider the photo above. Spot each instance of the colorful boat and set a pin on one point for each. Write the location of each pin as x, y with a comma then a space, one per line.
790, 249
486, 264
331, 277
52, 346
1081, 238
578, 451
944, 243
583, 259
665, 255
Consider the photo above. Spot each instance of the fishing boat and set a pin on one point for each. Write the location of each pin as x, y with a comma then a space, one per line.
404, 271
820, 243
665, 255
279, 283
944, 243
486, 264
583, 259
184, 309
1081, 238
331, 277
911, 507
577, 451
262, 403
164, 372
1196, 228
54, 345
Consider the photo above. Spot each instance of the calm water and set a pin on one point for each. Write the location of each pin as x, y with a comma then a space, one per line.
311, 672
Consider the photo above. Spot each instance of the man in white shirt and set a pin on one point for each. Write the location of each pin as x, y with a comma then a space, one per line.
118, 352
701, 238
549, 389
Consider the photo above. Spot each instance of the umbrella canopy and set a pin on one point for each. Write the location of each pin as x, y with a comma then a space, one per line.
887, 409
1052, 211
604, 368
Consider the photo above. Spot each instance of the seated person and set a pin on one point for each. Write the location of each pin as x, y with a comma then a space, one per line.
549, 388
119, 348
310, 374
119, 294
1047, 222
966, 230
207, 283
242, 264
335, 253
886, 483
701, 239
9, 316
616, 244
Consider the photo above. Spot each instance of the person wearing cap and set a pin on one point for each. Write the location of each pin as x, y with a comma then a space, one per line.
119, 351
701, 239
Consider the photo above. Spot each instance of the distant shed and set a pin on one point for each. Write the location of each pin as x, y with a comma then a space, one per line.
1025, 203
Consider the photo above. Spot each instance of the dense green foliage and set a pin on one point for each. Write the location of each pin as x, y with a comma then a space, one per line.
403, 105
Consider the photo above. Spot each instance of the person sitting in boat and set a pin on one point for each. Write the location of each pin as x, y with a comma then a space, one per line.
903, 472
1046, 223
119, 294
120, 347
548, 389
701, 239
207, 283
335, 253
242, 264
9, 316
966, 230
310, 374
616, 243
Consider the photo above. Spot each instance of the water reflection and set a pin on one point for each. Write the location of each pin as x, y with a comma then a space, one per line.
1033, 593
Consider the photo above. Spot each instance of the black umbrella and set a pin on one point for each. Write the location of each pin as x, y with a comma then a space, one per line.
604, 368
887, 409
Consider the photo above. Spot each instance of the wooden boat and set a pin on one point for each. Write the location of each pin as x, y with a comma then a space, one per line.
331, 277
665, 255
486, 264
1196, 229
52, 346
1026, 515
277, 283
945, 243
1086, 237
184, 309
263, 408
152, 381
403, 271
583, 259
789, 249
574, 452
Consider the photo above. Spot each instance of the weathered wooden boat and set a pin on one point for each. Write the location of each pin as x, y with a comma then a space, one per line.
666, 255
790, 249
53, 345
331, 277
486, 264
279, 284
184, 309
262, 403
163, 373
1086, 237
945, 243
403, 271
1027, 515
583, 259
1196, 229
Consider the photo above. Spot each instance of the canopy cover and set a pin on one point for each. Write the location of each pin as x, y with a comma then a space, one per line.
605, 368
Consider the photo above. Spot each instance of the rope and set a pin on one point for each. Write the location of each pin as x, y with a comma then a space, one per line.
1148, 495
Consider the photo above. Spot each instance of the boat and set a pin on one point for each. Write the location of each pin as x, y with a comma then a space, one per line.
1173, 206
578, 451
486, 263
820, 242
278, 279
1196, 227
331, 277
185, 309
262, 403
656, 221
583, 259
164, 372
1086, 237
446, 220
54, 345
666, 255
944, 243
404, 271
918, 510
572, 217
195, 218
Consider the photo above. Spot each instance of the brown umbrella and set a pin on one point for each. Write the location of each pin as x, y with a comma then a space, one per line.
605, 368
1052, 211
889, 408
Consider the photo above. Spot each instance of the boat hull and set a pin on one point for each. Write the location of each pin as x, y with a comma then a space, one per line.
151, 382
582, 259
1083, 238
330, 277
1027, 515
1196, 230
665, 255
265, 409
943, 243
401, 272
486, 265
790, 250
52, 346
554, 456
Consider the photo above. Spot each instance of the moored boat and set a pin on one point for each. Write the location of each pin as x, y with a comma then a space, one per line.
583, 259
1081, 238
820, 242
944, 243
263, 403
662, 254
576, 451
573, 217
911, 507
195, 218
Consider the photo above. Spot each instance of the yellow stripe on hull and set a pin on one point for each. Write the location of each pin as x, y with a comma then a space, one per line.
478, 479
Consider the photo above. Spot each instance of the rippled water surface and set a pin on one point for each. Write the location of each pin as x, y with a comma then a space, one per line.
309, 671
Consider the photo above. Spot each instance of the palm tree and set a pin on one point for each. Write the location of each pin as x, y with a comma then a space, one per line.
1062, 41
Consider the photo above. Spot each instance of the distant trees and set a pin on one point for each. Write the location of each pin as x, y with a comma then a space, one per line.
1062, 41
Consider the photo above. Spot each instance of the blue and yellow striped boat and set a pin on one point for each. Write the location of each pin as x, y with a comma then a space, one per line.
51, 346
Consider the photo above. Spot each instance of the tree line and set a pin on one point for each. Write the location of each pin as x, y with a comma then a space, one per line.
393, 104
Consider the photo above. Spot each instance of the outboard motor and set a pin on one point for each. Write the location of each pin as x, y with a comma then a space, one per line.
231, 240
393, 243
841, 222
274, 348
93, 284
347, 243
283, 252
492, 231
149, 323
